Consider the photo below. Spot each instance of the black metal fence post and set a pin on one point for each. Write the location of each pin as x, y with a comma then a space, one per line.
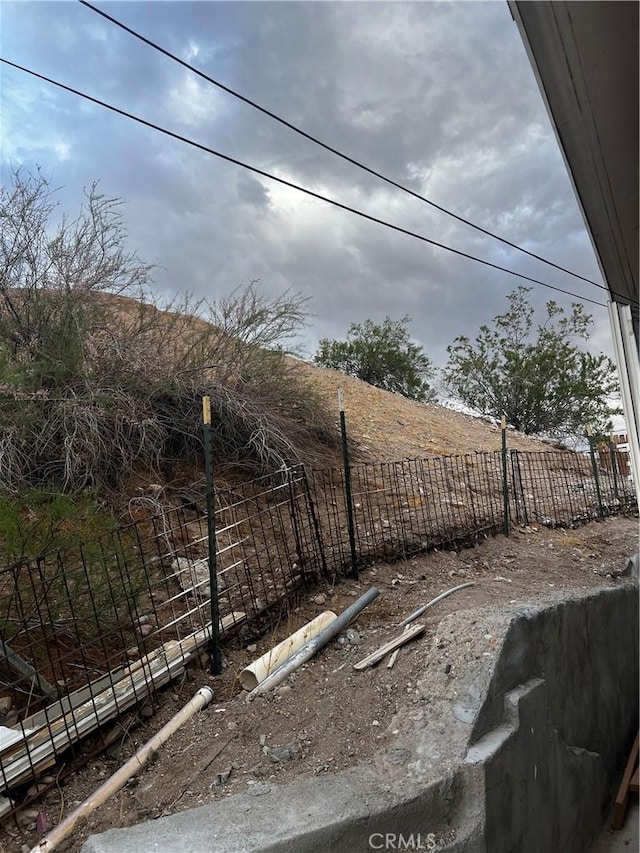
594, 467
505, 479
347, 486
216, 655
614, 467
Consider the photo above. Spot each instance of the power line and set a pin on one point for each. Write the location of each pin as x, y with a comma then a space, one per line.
335, 151
293, 186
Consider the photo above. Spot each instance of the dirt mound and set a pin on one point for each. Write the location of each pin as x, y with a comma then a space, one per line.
388, 427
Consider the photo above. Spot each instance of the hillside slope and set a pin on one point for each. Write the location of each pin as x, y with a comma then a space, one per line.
388, 427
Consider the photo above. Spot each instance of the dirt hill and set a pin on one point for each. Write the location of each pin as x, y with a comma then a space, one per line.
388, 427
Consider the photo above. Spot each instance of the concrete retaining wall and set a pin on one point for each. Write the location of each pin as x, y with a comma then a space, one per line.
532, 771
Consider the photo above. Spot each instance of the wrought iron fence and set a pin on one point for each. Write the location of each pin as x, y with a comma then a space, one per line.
86, 633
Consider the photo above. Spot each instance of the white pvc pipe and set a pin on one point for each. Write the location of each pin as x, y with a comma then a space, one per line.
433, 601
627, 362
257, 671
315, 643
121, 776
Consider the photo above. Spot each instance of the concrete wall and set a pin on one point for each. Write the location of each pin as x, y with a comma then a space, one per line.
560, 715
531, 771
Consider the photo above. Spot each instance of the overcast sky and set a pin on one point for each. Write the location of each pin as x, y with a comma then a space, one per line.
437, 96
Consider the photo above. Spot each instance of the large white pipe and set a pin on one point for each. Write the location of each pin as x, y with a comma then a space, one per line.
315, 644
121, 776
626, 358
257, 671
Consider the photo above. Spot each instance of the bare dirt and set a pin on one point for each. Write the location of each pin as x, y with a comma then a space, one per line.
327, 716
385, 426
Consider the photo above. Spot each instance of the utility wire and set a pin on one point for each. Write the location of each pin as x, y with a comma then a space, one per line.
291, 185
335, 151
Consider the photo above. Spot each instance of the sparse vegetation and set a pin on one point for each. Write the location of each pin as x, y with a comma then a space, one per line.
37, 520
96, 384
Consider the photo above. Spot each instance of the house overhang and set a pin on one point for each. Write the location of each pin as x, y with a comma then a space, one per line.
585, 58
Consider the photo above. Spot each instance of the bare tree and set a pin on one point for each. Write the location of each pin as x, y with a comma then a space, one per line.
120, 376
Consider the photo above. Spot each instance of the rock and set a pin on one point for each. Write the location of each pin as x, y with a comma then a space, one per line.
27, 818
263, 740
319, 599
283, 753
145, 629
353, 637
193, 576
284, 690
252, 648
6, 703
37, 789
147, 710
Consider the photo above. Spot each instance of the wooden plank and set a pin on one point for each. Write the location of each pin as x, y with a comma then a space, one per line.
634, 784
377, 656
622, 797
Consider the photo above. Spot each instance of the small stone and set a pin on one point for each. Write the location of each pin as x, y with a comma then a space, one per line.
147, 710
5, 704
353, 637
284, 752
263, 740
27, 818
375, 723
232, 726
146, 629
284, 690
447, 669
252, 648
37, 789
319, 599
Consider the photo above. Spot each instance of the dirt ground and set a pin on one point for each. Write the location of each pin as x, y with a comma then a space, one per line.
327, 716
385, 426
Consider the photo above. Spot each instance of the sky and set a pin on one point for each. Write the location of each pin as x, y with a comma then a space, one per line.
438, 96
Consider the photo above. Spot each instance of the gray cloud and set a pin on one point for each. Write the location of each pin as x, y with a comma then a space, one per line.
439, 96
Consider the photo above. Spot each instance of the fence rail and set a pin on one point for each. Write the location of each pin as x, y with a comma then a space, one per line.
87, 632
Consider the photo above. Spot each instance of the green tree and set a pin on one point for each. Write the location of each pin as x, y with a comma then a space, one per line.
538, 377
382, 355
